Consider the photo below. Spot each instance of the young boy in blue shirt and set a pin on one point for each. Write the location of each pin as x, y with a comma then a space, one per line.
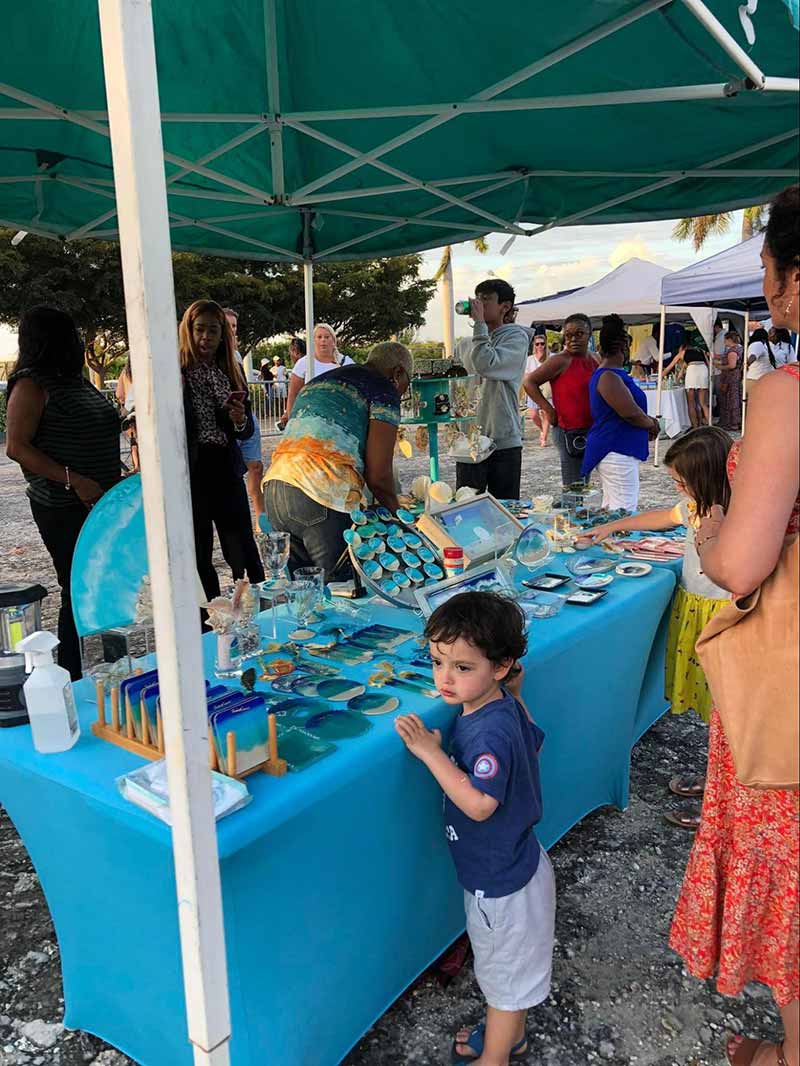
492, 801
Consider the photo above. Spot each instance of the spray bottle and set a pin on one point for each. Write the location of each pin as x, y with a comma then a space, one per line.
48, 695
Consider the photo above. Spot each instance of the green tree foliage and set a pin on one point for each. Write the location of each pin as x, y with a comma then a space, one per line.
700, 228
365, 301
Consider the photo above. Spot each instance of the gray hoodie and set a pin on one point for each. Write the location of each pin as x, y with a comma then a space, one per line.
500, 360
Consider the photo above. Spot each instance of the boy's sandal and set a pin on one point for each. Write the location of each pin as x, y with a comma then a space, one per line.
741, 1050
688, 786
475, 1041
683, 820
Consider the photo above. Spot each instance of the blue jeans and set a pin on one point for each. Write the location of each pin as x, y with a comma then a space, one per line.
315, 531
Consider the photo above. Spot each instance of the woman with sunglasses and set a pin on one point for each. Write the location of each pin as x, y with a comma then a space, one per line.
569, 373
537, 354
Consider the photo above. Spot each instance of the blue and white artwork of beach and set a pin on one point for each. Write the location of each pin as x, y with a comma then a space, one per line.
110, 560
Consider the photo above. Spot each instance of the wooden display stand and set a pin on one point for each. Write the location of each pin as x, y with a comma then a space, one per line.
149, 747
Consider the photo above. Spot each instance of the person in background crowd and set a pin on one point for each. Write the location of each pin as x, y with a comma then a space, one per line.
279, 375
497, 354
339, 443
737, 915
570, 412
266, 372
695, 381
696, 464
730, 383
781, 341
621, 427
65, 436
760, 356
297, 349
537, 354
218, 416
647, 352
326, 357
718, 347
125, 398
251, 447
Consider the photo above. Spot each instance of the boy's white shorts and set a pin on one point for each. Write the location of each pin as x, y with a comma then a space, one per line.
512, 941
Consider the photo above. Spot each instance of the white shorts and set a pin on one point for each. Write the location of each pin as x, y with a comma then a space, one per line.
696, 376
512, 940
619, 479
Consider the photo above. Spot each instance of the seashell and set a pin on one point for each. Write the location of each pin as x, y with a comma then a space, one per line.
419, 487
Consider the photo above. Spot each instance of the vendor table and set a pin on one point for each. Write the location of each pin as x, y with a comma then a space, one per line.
674, 409
338, 889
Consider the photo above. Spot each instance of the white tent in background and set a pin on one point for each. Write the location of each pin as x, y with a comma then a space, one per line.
733, 278
632, 291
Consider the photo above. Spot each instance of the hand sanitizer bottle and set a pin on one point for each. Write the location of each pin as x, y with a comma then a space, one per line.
48, 696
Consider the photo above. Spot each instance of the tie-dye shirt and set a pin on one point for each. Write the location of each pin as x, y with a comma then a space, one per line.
323, 446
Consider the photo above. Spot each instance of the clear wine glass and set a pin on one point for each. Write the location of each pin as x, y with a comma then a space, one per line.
275, 548
316, 575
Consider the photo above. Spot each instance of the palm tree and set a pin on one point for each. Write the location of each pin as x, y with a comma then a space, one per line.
445, 275
699, 229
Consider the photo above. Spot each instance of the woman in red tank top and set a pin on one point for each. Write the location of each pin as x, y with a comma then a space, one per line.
569, 373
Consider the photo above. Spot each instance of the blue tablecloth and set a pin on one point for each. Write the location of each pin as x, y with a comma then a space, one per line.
337, 884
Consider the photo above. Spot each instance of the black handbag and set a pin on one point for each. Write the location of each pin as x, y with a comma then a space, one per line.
575, 442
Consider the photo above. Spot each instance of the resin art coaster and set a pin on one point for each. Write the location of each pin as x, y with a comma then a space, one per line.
373, 703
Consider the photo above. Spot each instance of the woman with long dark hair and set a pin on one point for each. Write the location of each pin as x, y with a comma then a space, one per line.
760, 356
738, 913
65, 436
217, 415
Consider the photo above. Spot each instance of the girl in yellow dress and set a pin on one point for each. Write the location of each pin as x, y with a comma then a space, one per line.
697, 465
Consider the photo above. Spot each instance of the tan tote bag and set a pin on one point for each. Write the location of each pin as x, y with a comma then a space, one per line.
749, 652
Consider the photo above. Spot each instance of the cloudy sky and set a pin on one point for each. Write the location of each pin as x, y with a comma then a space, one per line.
559, 259
565, 259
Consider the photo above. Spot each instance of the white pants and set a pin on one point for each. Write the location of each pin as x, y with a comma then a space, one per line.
619, 479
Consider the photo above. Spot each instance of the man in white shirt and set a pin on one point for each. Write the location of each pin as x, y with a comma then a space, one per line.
647, 352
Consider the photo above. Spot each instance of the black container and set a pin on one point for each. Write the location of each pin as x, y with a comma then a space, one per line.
20, 615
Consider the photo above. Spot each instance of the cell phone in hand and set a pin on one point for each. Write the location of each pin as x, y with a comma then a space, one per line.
237, 397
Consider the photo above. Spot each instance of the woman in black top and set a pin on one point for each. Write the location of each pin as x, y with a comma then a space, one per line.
217, 415
65, 436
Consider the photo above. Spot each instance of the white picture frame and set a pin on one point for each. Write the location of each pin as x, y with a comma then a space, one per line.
443, 528
490, 577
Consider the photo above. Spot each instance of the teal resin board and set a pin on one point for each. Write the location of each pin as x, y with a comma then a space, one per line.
110, 560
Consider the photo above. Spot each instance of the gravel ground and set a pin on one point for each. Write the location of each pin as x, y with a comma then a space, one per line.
619, 995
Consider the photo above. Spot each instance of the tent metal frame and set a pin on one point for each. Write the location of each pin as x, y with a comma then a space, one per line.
133, 123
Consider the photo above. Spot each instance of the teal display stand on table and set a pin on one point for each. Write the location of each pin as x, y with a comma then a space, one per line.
424, 396
337, 885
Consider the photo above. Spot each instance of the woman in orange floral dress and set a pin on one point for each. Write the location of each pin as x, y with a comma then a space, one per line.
737, 916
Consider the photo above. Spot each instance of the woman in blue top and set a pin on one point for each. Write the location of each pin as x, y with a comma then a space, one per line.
621, 430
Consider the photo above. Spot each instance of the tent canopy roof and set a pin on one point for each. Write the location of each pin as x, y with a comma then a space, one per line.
733, 278
351, 130
632, 290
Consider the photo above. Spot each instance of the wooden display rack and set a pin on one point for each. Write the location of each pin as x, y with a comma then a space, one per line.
149, 747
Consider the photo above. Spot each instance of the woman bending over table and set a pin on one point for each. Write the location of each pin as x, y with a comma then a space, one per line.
695, 382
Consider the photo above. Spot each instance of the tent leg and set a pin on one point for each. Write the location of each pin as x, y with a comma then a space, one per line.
308, 292
135, 127
746, 343
660, 387
448, 301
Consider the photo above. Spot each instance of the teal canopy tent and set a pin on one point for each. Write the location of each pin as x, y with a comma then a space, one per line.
274, 129
393, 128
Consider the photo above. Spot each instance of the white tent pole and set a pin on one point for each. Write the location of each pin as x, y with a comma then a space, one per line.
659, 387
746, 343
308, 293
448, 309
132, 90
728, 43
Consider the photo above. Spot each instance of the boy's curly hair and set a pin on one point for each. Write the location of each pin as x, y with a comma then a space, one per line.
494, 624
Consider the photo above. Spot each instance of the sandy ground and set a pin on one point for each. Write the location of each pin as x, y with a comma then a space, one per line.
619, 995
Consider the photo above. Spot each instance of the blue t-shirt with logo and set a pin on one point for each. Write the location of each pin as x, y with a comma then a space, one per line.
498, 748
